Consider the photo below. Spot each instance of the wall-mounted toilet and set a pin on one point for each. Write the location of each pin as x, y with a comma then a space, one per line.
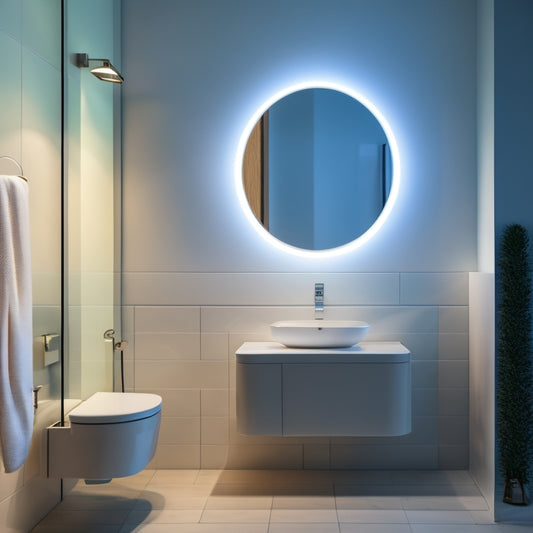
111, 434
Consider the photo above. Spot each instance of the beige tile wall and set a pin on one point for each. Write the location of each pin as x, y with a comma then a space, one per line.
185, 353
30, 132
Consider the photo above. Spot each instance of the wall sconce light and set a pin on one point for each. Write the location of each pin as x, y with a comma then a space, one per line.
102, 69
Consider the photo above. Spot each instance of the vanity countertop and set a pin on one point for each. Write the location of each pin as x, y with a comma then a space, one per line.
364, 352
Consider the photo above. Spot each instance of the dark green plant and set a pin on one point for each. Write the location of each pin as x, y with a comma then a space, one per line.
515, 378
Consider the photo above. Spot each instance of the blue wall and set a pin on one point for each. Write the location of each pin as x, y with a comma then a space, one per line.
185, 111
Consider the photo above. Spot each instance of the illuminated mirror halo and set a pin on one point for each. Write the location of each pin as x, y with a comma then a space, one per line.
395, 179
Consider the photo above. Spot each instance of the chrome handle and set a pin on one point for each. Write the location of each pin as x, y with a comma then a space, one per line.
36, 389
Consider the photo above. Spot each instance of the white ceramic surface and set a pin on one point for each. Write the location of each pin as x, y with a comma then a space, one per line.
362, 391
111, 434
319, 333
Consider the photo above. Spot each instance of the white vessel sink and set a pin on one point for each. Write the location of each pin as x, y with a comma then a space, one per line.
319, 333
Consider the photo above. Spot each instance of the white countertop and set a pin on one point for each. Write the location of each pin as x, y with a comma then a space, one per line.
371, 352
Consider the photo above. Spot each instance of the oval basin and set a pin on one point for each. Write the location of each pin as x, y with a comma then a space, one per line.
319, 333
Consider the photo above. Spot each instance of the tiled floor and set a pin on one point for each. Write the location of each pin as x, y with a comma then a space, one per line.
274, 501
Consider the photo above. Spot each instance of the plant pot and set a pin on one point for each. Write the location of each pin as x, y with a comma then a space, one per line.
515, 493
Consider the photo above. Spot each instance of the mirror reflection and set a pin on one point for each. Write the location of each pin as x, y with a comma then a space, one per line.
317, 169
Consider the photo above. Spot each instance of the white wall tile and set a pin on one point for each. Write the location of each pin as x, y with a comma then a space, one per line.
453, 430
22, 511
249, 319
215, 430
9, 483
453, 319
271, 456
237, 339
424, 431
179, 430
453, 346
167, 346
425, 402
424, 374
370, 457
128, 331
444, 288
177, 403
214, 346
215, 402
453, 374
382, 320
214, 456
162, 319
453, 402
271, 288
408, 319
481, 380
316, 456
455, 458
176, 456
181, 375
129, 376
223, 329
423, 346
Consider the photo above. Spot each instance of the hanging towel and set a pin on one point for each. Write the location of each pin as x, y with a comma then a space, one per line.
16, 339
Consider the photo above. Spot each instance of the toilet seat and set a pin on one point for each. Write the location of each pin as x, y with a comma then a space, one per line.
115, 407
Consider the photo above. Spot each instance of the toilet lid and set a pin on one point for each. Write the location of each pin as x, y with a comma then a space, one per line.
113, 407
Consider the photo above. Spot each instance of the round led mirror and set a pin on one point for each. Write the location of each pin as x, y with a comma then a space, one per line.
319, 169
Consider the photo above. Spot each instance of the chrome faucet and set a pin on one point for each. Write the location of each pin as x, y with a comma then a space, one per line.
319, 301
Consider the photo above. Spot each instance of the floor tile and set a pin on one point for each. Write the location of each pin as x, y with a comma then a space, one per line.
514, 528
454, 528
375, 516
196, 528
303, 502
274, 501
208, 477
237, 516
78, 519
303, 515
78, 502
362, 477
85, 528
439, 517
375, 528
482, 517
304, 527
171, 496
362, 502
271, 489
431, 477
239, 502
156, 516
115, 489
174, 477
444, 503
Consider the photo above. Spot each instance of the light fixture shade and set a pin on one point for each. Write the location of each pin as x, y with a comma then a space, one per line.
107, 72
102, 69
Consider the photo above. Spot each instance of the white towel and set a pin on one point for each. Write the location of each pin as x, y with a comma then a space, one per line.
16, 339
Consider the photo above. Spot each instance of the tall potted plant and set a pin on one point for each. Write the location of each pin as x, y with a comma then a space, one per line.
514, 366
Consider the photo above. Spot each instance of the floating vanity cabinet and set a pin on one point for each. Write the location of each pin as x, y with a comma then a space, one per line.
364, 390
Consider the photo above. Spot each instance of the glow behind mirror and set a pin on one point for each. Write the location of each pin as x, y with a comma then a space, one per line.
242, 195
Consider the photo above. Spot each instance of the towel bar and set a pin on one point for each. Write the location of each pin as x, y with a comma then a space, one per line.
16, 163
